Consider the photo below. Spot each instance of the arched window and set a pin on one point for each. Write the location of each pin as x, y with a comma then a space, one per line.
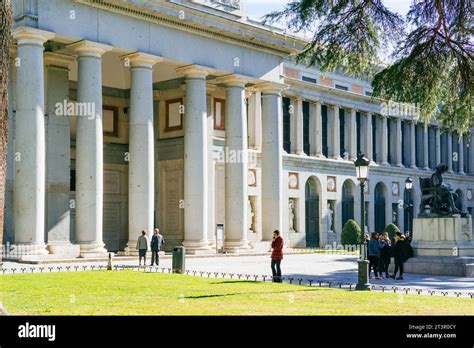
312, 212
379, 206
347, 201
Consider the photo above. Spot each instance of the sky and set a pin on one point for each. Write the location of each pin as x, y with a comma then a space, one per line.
258, 8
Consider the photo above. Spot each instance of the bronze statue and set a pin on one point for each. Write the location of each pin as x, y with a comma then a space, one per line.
438, 196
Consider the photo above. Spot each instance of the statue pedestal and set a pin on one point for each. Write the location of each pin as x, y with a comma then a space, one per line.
442, 246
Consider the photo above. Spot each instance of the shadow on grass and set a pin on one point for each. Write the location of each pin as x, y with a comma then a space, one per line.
248, 293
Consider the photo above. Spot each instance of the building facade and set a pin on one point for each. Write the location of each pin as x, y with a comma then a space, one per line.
183, 115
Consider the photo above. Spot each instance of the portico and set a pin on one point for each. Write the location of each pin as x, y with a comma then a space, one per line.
183, 124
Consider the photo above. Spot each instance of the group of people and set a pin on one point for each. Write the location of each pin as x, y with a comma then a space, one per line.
156, 245
381, 249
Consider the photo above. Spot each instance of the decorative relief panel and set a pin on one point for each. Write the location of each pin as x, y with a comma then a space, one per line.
252, 177
331, 184
293, 181
111, 182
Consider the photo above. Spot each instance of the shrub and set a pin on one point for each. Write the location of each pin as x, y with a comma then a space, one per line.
391, 229
351, 233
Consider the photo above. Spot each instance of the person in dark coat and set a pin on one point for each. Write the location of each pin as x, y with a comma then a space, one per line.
277, 256
142, 247
385, 245
399, 254
157, 242
374, 254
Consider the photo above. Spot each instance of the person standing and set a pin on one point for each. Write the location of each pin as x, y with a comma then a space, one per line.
277, 256
156, 245
374, 254
399, 254
142, 247
385, 245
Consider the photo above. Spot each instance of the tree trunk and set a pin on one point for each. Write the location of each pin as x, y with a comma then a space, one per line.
5, 29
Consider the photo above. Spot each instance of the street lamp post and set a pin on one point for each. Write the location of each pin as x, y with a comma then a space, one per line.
362, 171
408, 204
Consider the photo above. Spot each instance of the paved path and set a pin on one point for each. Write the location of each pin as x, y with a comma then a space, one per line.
325, 267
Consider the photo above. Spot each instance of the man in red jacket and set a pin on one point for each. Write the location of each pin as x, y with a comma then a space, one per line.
277, 256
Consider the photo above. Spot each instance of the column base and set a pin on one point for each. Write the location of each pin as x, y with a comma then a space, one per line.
92, 250
413, 167
426, 168
197, 247
234, 247
400, 165
63, 249
462, 173
319, 155
25, 251
385, 163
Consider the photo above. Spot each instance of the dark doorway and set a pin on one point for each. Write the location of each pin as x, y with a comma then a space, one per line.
379, 211
312, 213
347, 201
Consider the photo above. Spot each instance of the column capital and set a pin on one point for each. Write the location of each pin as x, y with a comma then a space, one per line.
32, 36
233, 80
89, 48
194, 71
58, 60
272, 87
210, 88
143, 60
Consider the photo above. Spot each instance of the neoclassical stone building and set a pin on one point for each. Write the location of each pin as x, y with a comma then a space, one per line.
187, 114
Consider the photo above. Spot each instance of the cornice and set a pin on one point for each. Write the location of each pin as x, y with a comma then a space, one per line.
260, 43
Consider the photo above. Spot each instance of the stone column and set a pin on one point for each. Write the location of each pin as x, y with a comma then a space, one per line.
368, 139
413, 145
450, 151
211, 220
299, 126
255, 120
353, 135
398, 142
8, 203
437, 146
461, 154
272, 148
30, 152
236, 167
58, 160
426, 165
316, 110
89, 149
384, 141
141, 167
195, 161
335, 138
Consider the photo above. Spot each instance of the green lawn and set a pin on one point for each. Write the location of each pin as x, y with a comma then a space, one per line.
139, 293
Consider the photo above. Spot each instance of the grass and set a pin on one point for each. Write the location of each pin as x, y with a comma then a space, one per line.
139, 293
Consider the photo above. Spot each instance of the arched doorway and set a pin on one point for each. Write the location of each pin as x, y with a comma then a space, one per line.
379, 206
312, 212
347, 201
408, 210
